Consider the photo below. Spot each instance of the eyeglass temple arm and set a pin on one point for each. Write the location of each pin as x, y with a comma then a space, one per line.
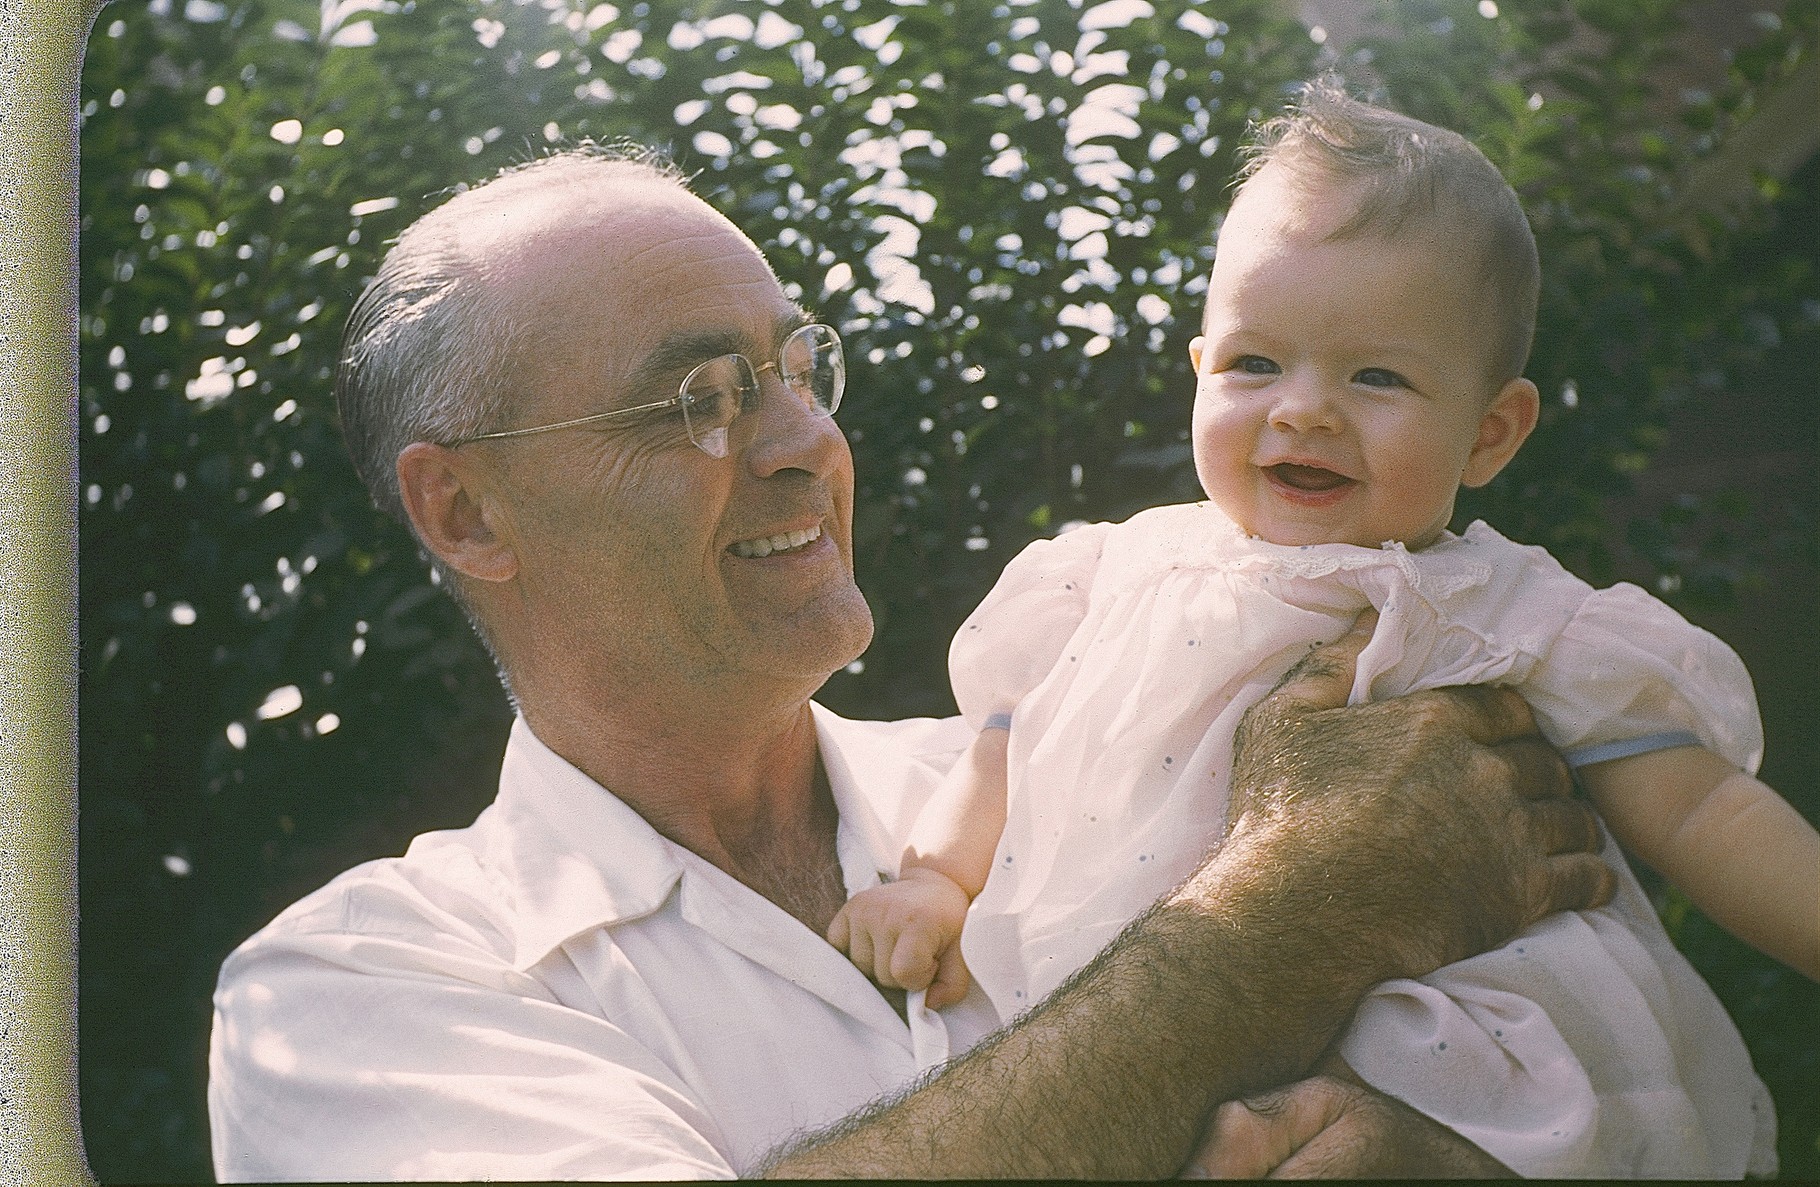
569, 424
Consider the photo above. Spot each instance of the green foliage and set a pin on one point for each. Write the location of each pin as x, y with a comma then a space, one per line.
1641, 309
1007, 208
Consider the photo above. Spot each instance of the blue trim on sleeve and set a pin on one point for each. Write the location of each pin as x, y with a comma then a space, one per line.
1586, 756
998, 721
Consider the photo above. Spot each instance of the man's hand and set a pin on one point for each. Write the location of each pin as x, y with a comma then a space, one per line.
1328, 1129
1443, 814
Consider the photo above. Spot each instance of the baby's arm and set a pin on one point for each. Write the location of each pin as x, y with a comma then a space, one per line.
906, 934
1738, 850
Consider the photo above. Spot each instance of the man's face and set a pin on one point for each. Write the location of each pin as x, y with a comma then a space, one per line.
638, 554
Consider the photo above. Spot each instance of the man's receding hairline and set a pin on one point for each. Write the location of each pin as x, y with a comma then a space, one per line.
545, 219
469, 226
542, 206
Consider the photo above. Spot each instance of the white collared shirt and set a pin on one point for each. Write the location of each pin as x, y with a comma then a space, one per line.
559, 992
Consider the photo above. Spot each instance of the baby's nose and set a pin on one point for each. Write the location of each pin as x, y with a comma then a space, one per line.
1303, 404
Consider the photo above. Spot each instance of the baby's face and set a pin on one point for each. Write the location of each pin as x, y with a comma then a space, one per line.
1342, 392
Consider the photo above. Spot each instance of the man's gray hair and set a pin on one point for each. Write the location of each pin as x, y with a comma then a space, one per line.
1412, 170
428, 354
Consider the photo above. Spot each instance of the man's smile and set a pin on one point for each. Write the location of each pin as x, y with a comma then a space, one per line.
782, 542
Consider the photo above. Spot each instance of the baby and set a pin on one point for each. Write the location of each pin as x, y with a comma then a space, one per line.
1368, 318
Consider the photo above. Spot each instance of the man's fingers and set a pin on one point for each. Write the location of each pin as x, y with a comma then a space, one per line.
1323, 678
1572, 882
1489, 715
1241, 1145
1538, 771
1563, 826
1245, 1144
1324, 1156
1250, 1139
1372, 1136
839, 929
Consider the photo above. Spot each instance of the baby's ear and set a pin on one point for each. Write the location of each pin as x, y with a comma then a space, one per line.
1506, 424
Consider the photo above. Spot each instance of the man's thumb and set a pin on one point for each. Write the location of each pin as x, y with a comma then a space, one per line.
1323, 678
1251, 1138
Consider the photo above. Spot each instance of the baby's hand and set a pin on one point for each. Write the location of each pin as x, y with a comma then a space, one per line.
906, 935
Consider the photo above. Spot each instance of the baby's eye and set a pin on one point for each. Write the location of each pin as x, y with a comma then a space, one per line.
1379, 377
1254, 364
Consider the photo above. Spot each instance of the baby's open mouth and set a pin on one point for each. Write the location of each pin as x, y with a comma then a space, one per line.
1309, 478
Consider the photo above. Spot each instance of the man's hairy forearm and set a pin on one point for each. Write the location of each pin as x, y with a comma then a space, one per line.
1117, 1073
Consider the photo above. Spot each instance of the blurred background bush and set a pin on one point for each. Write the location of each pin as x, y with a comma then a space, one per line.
1008, 209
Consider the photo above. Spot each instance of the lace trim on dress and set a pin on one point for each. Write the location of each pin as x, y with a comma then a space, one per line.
1436, 573
1200, 534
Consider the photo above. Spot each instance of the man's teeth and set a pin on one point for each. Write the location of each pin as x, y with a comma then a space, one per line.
781, 542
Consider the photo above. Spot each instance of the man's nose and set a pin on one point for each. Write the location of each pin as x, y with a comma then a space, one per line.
789, 431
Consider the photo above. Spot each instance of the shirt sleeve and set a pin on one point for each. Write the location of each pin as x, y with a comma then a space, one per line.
475, 1073
1015, 636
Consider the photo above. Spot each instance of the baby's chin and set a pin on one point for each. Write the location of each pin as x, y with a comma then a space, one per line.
1309, 536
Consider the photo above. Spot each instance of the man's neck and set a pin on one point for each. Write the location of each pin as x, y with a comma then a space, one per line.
746, 794
791, 861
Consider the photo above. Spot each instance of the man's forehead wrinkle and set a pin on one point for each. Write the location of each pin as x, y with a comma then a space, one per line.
711, 264
726, 244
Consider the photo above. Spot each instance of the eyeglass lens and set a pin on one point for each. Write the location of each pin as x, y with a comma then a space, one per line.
810, 364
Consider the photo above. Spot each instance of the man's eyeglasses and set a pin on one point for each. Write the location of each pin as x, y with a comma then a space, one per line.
809, 362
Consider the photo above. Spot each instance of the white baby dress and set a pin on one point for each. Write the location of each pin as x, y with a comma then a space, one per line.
1127, 653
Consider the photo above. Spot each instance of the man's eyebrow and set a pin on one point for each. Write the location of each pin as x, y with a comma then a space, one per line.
676, 354
680, 352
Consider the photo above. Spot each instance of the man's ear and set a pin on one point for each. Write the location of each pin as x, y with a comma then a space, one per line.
453, 511
1506, 424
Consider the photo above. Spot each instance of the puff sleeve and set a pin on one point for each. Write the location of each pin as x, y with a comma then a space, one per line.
1016, 635
1628, 667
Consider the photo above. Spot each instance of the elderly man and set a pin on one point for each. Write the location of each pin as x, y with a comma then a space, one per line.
589, 396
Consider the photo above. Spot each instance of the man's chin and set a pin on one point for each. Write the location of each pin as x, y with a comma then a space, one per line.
843, 630
816, 641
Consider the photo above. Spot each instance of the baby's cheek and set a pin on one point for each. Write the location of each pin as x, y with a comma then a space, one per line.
1221, 437
1212, 465
1417, 494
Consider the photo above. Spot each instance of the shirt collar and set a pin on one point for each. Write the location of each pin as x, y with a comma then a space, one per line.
902, 763
576, 857
862, 844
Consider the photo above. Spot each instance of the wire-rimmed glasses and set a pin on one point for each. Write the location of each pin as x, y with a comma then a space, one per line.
809, 362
